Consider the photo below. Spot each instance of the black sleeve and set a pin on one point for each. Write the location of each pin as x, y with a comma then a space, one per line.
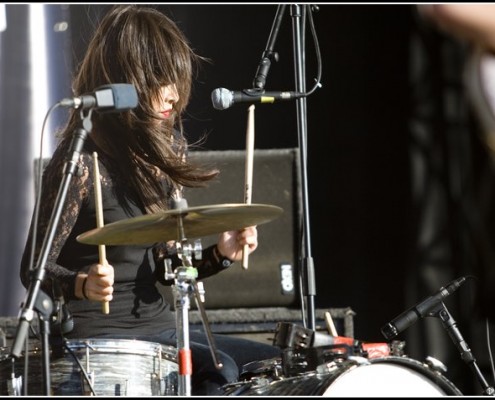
77, 194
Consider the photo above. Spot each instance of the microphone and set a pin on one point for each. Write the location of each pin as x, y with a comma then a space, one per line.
107, 98
223, 98
420, 310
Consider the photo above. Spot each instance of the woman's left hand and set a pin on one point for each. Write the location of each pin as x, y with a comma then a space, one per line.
231, 243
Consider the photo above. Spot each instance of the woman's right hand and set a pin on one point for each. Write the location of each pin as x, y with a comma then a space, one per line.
97, 284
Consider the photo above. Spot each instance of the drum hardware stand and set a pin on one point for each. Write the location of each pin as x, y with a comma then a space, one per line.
185, 285
90, 375
298, 13
44, 308
450, 326
26, 314
87, 381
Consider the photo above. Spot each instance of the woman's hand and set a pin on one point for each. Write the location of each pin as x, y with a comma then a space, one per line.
231, 243
97, 284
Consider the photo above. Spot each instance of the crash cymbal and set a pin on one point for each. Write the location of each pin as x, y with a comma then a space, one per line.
197, 222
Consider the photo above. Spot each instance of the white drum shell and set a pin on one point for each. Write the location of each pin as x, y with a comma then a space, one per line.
380, 377
114, 367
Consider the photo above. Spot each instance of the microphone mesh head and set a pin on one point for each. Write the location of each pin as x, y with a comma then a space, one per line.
221, 98
125, 96
116, 97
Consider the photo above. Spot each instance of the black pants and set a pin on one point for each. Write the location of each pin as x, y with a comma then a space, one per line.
233, 354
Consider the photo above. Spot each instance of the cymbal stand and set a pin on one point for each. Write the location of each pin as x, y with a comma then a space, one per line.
185, 285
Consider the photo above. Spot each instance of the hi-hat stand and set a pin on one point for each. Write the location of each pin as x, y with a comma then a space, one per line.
185, 286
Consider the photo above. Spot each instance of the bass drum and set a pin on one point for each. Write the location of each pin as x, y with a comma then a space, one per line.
379, 377
97, 367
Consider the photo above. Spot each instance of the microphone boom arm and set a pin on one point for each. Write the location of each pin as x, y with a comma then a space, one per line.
268, 56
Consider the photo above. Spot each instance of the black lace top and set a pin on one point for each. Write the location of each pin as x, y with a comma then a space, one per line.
137, 303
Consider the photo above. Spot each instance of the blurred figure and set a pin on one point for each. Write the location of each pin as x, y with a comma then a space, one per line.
474, 23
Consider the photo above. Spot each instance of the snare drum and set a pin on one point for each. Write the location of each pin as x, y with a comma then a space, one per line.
379, 377
99, 367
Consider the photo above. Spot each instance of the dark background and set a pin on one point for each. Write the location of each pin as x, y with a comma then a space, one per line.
391, 90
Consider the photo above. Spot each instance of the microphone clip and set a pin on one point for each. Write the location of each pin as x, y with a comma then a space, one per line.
61, 319
429, 307
259, 80
254, 92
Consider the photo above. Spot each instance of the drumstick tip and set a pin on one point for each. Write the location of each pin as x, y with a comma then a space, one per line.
330, 325
245, 255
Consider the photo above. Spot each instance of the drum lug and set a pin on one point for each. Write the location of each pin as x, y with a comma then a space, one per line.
358, 360
238, 388
435, 364
156, 389
85, 385
14, 386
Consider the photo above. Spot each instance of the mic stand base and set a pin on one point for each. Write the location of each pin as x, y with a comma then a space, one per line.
43, 306
450, 326
44, 320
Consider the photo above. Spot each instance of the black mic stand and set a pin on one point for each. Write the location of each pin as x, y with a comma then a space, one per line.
450, 326
32, 299
298, 14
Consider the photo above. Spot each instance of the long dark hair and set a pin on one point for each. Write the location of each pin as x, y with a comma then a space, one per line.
141, 46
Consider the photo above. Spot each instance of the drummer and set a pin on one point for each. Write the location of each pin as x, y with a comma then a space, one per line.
143, 166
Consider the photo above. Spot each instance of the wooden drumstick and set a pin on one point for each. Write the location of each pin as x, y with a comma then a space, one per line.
105, 308
330, 325
248, 182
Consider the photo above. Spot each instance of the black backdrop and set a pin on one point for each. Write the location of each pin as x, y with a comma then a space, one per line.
357, 132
